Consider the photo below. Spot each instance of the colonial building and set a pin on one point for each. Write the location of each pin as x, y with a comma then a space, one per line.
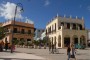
63, 31
19, 30
88, 36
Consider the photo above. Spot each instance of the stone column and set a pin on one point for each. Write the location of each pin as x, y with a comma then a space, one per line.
71, 26
78, 40
78, 27
62, 42
65, 25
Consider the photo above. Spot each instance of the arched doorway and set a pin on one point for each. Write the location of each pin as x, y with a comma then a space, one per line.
59, 41
82, 40
66, 41
75, 39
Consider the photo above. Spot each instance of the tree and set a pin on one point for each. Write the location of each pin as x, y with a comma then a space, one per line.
2, 33
15, 41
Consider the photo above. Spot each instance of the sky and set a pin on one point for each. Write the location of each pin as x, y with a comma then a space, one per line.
40, 12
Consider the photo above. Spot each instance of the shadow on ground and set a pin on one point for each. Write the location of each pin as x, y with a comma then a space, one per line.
17, 59
83, 59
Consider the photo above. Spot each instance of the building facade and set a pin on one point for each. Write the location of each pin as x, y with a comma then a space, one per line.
19, 30
63, 31
38, 33
89, 36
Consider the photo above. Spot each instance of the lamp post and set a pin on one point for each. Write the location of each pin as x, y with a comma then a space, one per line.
18, 4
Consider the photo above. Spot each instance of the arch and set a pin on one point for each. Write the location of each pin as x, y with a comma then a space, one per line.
82, 39
66, 40
75, 39
59, 41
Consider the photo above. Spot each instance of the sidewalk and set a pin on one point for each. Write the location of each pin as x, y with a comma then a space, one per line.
18, 56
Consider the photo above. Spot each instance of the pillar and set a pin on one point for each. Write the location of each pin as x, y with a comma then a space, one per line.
78, 40
70, 26
62, 42
65, 25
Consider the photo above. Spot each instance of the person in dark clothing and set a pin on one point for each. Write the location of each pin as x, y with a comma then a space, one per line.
6, 46
0, 47
68, 52
50, 46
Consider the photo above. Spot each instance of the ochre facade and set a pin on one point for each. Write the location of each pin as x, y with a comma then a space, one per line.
19, 30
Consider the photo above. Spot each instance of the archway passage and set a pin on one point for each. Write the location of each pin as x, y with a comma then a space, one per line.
76, 40
82, 40
66, 41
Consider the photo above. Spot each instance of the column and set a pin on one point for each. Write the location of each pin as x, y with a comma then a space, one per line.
71, 40
70, 26
65, 25
62, 42
78, 40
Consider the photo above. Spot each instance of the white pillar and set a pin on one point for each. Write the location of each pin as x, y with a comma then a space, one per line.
70, 26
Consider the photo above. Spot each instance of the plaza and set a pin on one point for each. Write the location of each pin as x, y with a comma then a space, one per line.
43, 54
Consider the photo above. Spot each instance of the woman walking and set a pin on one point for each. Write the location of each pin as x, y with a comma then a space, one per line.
73, 51
68, 52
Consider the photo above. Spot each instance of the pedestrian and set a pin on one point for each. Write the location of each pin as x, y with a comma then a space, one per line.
73, 51
68, 52
2, 45
49, 46
6, 45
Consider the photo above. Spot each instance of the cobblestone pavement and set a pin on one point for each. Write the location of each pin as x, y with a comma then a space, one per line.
80, 54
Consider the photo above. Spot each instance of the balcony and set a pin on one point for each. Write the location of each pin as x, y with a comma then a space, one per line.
18, 32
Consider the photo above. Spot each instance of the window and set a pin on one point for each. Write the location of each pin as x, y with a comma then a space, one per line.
80, 26
62, 23
55, 26
22, 31
68, 25
29, 31
15, 30
52, 27
74, 26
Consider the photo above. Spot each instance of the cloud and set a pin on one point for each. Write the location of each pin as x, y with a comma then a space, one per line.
47, 2
28, 21
7, 10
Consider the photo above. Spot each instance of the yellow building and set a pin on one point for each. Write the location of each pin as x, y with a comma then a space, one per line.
63, 31
21, 31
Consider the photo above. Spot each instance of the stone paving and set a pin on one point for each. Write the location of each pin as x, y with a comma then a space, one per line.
19, 56
80, 54
42, 54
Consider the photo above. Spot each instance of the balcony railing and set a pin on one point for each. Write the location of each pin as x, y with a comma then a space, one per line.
18, 32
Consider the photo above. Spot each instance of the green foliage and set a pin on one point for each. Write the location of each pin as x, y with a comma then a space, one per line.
21, 42
2, 34
36, 42
15, 41
29, 43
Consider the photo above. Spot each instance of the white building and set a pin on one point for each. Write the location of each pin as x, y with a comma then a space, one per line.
63, 31
43, 35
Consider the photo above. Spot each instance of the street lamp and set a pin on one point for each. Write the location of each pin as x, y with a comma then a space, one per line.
20, 5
